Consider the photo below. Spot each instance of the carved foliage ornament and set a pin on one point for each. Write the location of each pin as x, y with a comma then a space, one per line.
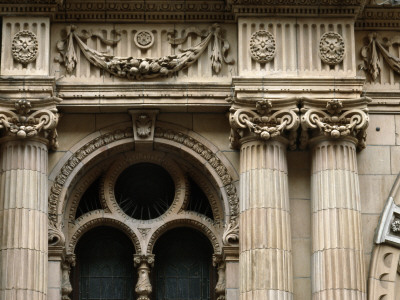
263, 122
262, 46
331, 48
140, 68
370, 55
335, 122
24, 47
22, 123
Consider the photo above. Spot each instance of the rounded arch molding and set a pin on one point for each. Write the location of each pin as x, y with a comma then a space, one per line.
119, 138
103, 221
199, 225
384, 272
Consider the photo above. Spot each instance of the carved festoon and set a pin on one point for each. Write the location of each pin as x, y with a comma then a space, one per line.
335, 119
141, 68
264, 120
66, 287
24, 47
262, 46
370, 54
143, 287
26, 119
331, 48
220, 287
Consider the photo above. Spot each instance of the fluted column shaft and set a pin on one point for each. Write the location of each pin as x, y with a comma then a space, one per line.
337, 259
23, 219
265, 260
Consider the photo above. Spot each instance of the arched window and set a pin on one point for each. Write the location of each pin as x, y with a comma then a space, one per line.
104, 266
183, 268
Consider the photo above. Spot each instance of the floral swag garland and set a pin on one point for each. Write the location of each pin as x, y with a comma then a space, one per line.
142, 68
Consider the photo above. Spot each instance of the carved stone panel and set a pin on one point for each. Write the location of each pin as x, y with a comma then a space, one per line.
25, 46
331, 48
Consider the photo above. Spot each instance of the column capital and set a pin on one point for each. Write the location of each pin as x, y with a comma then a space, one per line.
25, 119
263, 119
334, 119
139, 259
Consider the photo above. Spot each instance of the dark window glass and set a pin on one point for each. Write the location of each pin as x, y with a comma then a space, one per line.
144, 191
183, 269
104, 269
90, 199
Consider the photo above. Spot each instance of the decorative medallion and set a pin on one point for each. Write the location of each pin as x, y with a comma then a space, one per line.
144, 39
331, 48
24, 47
262, 46
396, 226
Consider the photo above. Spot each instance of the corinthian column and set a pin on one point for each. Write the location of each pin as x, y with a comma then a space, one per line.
23, 198
265, 260
337, 259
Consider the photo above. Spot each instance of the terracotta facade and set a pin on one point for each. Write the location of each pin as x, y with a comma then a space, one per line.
270, 128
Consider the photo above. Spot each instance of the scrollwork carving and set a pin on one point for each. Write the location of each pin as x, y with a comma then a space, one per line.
335, 122
24, 47
231, 234
262, 46
331, 48
20, 122
141, 68
55, 235
263, 122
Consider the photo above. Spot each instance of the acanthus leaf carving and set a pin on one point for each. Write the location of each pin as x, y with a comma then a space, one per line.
370, 54
335, 121
55, 235
231, 234
263, 121
20, 122
142, 68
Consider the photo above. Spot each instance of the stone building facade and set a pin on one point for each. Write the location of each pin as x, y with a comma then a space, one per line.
238, 149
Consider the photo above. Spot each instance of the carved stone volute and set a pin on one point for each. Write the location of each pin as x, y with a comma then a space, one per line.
143, 287
335, 119
27, 119
263, 119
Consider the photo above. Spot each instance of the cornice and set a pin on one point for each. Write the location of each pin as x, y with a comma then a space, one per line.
144, 11
298, 8
27, 87
382, 17
167, 97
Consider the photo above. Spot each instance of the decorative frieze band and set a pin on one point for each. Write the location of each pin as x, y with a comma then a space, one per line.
26, 119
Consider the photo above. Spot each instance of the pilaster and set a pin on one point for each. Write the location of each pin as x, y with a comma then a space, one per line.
28, 131
263, 129
337, 128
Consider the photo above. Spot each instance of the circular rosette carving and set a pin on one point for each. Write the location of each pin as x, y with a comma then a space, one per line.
262, 46
331, 48
24, 47
144, 39
130, 190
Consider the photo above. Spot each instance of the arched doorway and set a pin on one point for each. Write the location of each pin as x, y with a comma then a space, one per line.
104, 266
183, 268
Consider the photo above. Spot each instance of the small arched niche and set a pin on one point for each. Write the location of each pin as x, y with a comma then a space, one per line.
183, 266
104, 266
